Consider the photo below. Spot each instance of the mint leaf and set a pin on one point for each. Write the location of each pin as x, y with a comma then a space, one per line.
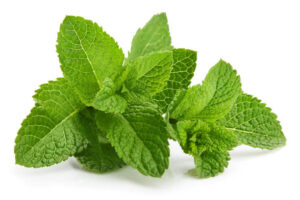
210, 101
195, 137
254, 123
52, 132
149, 73
154, 36
184, 64
99, 156
139, 137
208, 143
88, 55
107, 100
210, 164
107, 111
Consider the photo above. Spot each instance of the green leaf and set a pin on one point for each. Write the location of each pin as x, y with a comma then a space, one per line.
210, 101
184, 64
99, 156
210, 164
195, 137
139, 137
254, 123
107, 100
154, 36
150, 72
208, 143
52, 132
88, 55
138, 95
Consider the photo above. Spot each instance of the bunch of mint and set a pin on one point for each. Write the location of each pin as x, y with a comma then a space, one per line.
109, 111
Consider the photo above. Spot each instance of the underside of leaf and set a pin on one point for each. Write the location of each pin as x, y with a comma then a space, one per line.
184, 64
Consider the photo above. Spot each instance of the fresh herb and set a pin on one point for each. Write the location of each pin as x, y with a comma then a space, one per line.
108, 110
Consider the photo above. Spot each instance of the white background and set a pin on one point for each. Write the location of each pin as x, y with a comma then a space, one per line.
261, 39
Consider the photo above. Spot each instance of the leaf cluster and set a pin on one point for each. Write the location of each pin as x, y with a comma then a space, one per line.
109, 111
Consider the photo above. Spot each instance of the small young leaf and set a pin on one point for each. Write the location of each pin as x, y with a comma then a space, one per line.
99, 156
150, 72
210, 164
154, 36
88, 55
213, 99
52, 132
184, 64
254, 123
139, 137
195, 137
107, 100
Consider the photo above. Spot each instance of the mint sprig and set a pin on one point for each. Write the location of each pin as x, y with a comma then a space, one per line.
108, 110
